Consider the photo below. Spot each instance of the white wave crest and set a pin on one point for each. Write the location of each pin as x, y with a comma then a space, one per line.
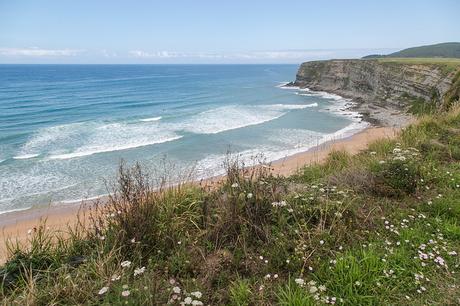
84, 139
151, 119
237, 116
25, 156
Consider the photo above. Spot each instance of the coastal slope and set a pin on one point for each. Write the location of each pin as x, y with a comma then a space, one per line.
384, 88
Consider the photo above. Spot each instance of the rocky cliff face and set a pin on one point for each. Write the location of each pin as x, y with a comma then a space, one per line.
379, 86
373, 81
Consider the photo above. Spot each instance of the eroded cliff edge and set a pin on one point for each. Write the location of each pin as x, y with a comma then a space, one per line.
384, 90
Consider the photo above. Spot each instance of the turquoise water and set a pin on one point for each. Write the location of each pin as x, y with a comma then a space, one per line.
65, 128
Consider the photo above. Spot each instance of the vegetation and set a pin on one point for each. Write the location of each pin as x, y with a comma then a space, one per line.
446, 64
448, 50
378, 228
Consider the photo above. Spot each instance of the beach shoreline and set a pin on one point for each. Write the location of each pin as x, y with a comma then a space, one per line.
16, 225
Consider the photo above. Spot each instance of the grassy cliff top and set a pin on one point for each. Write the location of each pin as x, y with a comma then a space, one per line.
450, 63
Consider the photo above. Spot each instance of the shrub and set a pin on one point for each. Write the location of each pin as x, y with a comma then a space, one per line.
398, 175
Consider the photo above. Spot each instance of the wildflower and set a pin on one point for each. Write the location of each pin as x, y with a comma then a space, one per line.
125, 293
249, 196
188, 300
313, 289
358, 283
139, 271
321, 242
453, 253
115, 277
268, 276
126, 264
133, 240
299, 281
179, 242
176, 290
196, 302
196, 294
235, 185
322, 288
172, 281
103, 290
102, 238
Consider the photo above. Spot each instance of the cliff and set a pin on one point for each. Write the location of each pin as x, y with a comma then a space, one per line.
383, 88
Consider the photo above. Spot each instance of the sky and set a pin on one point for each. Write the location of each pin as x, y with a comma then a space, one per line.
212, 31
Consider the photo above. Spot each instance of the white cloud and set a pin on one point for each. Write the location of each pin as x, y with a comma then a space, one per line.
255, 55
38, 52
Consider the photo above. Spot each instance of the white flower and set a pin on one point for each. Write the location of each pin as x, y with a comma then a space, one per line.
235, 185
321, 242
176, 290
126, 264
139, 271
275, 276
196, 302
268, 276
125, 293
133, 240
115, 277
103, 290
197, 294
250, 195
299, 281
313, 289
188, 300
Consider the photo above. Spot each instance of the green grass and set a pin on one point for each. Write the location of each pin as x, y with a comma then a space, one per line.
451, 63
378, 228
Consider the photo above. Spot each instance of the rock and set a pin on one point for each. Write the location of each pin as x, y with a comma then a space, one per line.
378, 87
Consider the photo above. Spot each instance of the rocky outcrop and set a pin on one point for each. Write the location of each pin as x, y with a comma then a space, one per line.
378, 86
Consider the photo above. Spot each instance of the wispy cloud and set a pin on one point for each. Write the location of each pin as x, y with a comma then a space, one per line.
171, 54
254, 55
38, 52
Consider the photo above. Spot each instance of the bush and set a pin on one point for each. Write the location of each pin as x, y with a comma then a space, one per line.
396, 178
399, 174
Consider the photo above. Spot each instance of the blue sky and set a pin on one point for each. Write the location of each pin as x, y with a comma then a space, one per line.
202, 31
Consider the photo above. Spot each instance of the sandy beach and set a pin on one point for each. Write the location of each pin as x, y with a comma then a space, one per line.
16, 225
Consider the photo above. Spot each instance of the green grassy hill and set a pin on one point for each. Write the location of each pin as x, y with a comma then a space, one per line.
447, 50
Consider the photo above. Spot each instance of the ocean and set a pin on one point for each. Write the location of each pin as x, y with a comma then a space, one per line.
65, 128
